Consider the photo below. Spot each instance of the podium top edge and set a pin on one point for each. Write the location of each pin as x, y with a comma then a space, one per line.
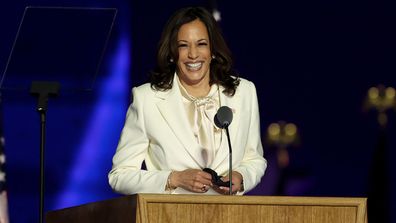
253, 199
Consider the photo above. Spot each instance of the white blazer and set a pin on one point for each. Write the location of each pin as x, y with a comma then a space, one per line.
157, 131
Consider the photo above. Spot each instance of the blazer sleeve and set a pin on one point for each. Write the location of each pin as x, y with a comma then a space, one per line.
126, 176
253, 164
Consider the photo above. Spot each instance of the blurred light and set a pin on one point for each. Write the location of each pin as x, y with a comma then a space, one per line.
274, 129
373, 93
290, 129
281, 135
390, 93
382, 100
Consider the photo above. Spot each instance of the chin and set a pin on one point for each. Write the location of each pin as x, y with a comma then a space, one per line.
195, 79
192, 77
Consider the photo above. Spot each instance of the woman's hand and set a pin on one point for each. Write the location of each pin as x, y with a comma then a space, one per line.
237, 184
193, 180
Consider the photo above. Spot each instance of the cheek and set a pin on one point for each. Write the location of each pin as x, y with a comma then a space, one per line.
182, 54
179, 66
207, 55
180, 59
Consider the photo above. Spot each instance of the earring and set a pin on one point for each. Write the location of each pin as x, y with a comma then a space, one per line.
171, 60
213, 57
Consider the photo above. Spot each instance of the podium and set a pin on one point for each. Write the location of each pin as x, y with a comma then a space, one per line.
159, 208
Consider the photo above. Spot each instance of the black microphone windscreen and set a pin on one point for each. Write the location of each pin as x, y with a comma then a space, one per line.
223, 118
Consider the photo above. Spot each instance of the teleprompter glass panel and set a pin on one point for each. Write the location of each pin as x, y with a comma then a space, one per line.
58, 44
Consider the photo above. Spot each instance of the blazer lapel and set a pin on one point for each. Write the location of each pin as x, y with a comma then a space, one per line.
172, 110
233, 103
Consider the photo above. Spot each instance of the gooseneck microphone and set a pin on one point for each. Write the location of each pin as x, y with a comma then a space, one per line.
223, 119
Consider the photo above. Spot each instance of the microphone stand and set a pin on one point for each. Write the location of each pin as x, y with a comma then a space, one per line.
43, 90
230, 159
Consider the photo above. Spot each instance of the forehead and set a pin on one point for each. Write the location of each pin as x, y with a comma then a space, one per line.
193, 29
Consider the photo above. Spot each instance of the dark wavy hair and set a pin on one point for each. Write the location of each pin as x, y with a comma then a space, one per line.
221, 71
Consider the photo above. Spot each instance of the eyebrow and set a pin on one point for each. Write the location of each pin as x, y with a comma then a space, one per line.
200, 40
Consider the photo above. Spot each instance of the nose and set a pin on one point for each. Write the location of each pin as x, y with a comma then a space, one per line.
192, 52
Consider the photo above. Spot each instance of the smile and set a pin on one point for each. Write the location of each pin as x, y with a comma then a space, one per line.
194, 66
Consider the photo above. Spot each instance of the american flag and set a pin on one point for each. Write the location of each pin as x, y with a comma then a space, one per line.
3, 190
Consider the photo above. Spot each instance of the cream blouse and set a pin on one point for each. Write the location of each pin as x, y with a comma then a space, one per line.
200, 113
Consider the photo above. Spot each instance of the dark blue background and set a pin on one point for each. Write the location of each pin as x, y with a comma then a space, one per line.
312, 63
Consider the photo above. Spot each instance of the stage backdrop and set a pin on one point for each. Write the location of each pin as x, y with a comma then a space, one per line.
312, 63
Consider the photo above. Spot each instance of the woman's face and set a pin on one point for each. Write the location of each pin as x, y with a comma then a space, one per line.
194, 53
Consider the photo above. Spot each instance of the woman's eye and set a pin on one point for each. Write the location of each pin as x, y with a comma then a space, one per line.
202, 44
182, 45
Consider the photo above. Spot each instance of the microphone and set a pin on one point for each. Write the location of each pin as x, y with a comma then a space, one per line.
223, 119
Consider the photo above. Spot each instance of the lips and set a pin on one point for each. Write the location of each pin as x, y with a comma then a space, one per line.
194, 66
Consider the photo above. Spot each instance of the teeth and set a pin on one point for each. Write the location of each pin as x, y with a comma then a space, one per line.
194, 65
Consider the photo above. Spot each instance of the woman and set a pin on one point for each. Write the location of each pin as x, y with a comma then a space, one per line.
170, 123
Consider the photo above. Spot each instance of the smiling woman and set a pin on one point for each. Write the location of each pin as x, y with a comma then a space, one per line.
170, 124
